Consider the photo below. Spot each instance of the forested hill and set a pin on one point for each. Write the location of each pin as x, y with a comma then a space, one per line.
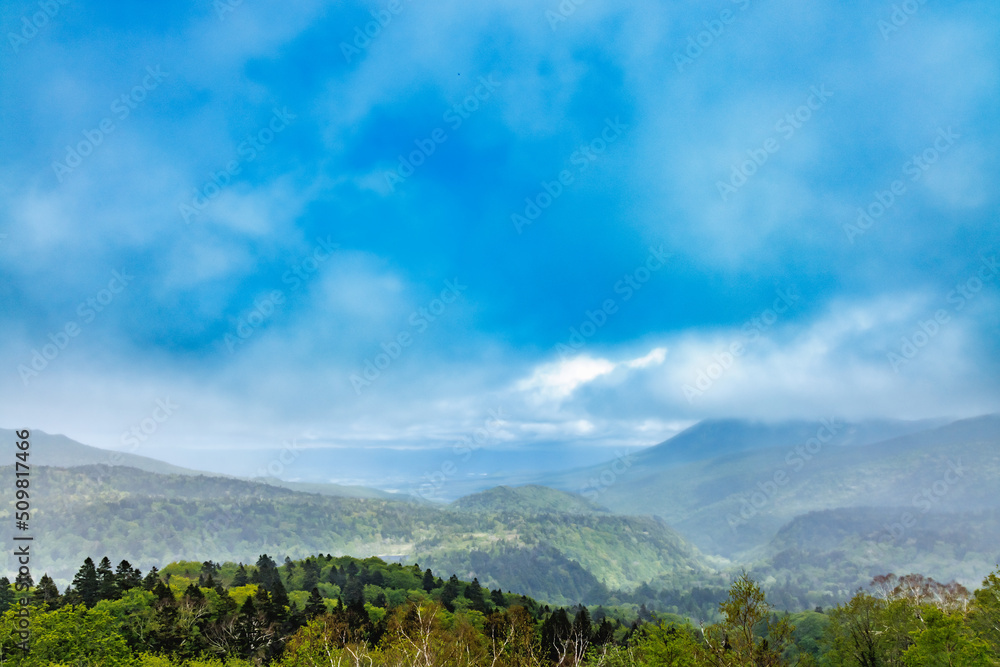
149, 518
529, 499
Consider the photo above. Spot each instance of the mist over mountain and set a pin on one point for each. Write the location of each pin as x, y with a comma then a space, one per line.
813, 508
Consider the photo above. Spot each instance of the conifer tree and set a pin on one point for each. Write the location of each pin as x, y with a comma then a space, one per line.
7, 596
86, 585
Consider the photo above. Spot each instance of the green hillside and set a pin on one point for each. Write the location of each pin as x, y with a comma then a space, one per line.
529, 499
150, 518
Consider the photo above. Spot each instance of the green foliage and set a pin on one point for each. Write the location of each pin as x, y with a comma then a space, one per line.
946, 641
69, 635
668, 645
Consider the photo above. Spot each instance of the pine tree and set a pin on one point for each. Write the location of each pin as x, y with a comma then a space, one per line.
127, 577
106, 589
450, 593
150, 580
241, 578
86, 585
496, 597
474, 593
315, 605
46, 593
428, 582
310, 576
7, 596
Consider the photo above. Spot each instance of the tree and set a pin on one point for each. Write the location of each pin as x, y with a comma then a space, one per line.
241, 578
7, 596
46, 594
985, 614
106, 589
474, 593
126, 578
736, 641
72, 636
86, 586
315, 605
668, 645
870, 631
450, 593
310, 574
428, 581
151, 579
946, 641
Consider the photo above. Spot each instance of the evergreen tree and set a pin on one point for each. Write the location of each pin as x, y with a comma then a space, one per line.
241, 578
7, 596
280, 599
127, 577
106, 589
310, 574
46, 593
496, 597
450, 593
86, 585
266, 573
474, 593
315, 605
556, 631
428, 581
150, 580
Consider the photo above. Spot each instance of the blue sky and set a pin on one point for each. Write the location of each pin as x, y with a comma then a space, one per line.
697, 168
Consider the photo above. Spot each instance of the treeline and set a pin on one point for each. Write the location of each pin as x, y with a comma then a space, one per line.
347, 612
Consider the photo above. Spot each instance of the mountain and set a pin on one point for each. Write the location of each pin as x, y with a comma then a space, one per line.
150, 518
49, 449
838, 551
716, 438
528, 499
733, 505
63, 452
